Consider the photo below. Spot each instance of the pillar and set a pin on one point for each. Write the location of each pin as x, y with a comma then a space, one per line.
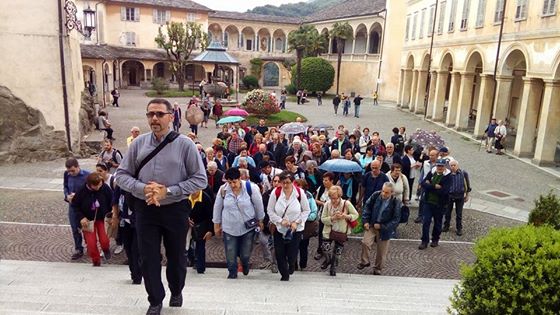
549, 126
421, 91
465, 101
401, 86
484, 109
240, 41
330, 47
453, 99
528, 116
413, 89
503, 97
431, 95
367, 44
256, 43
439, 101
406, 88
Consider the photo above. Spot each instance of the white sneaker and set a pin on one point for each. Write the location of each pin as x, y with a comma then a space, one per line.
118, 249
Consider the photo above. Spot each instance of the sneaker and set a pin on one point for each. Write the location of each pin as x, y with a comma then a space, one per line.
423, 246
77, 255
362, 266
119, 249
154, 309
274, 268
325, 264
232, 276
176, 300
459, 232
434, 244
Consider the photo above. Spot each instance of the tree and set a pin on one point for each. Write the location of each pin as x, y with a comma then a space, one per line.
180, 41
297, 40
340, 32
316, 44
317, 74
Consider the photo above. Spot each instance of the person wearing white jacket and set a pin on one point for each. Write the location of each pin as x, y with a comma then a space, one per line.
400, 183
288, 209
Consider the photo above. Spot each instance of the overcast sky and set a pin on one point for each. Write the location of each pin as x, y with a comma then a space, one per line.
240, 5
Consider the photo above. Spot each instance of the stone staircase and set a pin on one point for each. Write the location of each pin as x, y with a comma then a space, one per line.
73, 288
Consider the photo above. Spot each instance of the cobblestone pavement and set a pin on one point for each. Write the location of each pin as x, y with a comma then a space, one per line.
52, 243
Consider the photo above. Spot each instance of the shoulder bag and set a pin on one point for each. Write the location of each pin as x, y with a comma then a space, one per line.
339, 237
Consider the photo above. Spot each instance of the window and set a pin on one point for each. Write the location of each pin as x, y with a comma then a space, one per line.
407, 27
452, 16
499, 12
130, 38
431, 20
465, 15
422, 20
521, 10
191, 17
549, 8
130, 14
161, 16
249, 44
441, 18
414, 22
480, 13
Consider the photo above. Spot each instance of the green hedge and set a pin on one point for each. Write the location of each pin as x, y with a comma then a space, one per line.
546, 211
317, 74
250, 82
517, 271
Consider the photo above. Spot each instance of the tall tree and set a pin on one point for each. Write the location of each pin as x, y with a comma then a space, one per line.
300, 41
179, 42
340, 32
316, 44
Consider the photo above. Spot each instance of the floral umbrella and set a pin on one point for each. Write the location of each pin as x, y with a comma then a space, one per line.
237, 112
426, 139
293, 128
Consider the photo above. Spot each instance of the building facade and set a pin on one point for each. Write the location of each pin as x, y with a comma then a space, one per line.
468, 80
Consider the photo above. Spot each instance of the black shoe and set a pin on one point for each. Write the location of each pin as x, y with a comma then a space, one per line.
325, 264
459, 232
232, 276
376, 272
318, 256
332, 273
77, 255
418, 220
445, 228
434, 244
245, 271
136, 281
154, 309
423, 246
287, 278
176, 300
362, 266
107, 254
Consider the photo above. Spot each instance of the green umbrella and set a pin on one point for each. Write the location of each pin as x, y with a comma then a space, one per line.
230, 119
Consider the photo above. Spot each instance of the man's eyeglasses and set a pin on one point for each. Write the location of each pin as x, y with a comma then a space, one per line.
157, 114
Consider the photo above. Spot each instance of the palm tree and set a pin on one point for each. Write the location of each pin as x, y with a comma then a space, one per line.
340, 32
317, 44
299, 40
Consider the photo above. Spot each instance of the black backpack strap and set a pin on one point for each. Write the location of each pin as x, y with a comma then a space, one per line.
172, 135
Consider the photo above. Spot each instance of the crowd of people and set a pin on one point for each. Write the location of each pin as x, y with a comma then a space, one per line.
256, 185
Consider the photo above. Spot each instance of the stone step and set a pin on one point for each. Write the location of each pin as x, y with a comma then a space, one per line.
71, 288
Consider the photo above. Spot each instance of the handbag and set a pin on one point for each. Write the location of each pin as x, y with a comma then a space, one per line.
339, 237
311, 229
91, 223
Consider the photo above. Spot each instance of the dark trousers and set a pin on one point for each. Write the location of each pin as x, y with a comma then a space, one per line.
176, 127
335, 109
238, 246
130, 243
299, 100
320, 238
410, 184
459, 202
200, 255
167, 222
303, 252
115, 101
421, 205
194, 129
436, 212
109, 132
286, 253
75, 225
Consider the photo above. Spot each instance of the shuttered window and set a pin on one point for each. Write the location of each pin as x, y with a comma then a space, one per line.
549, 8
499, 13
441, 18
406, 34
465, 15
480, 13
431, 20
422, 22
414, 23
130, 38
452, 16
130, 14
161, 16
521, 10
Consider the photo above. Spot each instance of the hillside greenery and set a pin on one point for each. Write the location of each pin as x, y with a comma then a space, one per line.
294, 9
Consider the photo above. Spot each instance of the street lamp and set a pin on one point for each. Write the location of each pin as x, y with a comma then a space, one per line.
89, 22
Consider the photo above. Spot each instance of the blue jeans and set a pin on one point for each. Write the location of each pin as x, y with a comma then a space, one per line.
436, 212
74, 225
238, 246
200, 254
345, 110
357, 111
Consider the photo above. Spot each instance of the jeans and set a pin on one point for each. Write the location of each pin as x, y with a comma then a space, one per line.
436, 212
130, 244
345, 110
194, 129
176, 127
303, 252
286, 253
458, 202
91, 240
75, 225
357, 111
200, 255
238, 246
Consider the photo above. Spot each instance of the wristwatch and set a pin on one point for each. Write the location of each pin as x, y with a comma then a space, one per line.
168, 191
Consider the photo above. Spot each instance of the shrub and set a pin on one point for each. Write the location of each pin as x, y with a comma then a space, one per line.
251, 82
291, 89
159, 85
517, 271
317, 74
261, 103
546, 211
256, 66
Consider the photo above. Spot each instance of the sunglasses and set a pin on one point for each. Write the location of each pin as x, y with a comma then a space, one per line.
157, 114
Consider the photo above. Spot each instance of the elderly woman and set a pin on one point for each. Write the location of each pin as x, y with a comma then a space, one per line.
208, 156
400, 183
288, 209
313, 177
221, 159
322, 196
238, 211
243, 153
296, 150
93, 202
337, 213
254, 147
318, 154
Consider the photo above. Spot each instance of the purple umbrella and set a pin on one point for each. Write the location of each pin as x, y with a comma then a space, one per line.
427, 138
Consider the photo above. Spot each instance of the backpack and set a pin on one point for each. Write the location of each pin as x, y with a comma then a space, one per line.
278, 191
399, 146
247, 186
114, 156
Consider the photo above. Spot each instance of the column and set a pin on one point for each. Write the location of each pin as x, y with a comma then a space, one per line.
367, 44
484, 109
503, 97
224, 39
256, 43
401, 85
240, 41
549, 126
406, 88
330, 47
453, 99
528, 116
439, 101
465, 101
432, 95
413, 89
421, 91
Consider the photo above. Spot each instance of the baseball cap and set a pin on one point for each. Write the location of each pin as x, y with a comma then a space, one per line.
444, 149
440, 162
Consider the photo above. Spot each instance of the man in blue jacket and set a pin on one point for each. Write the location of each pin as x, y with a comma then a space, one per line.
74, 179
381, 216
436, 195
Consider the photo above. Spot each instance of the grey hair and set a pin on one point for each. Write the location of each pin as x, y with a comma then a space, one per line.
310, 163
389, 185
212, 165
